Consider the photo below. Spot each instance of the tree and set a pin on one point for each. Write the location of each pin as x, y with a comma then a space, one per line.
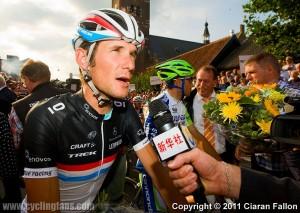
274, 25
142, 80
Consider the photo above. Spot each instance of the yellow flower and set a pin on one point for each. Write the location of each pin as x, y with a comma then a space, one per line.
271, 108
234, 96
228, 97
231, 111
256, 98
223, 98
276, 96
265, 126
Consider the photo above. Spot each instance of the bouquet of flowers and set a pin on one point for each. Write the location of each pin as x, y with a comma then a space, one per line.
246, 112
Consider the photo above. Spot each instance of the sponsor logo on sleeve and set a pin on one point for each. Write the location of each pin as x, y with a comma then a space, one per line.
40, 172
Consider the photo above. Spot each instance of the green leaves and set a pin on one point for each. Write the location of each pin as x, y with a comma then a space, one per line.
274, 25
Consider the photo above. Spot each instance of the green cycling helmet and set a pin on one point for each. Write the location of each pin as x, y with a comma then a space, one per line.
174, 69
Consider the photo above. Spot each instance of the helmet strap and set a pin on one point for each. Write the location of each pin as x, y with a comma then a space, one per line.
182, 88
172, 85
102, 98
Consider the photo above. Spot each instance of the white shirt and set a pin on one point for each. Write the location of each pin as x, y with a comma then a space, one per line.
199, 123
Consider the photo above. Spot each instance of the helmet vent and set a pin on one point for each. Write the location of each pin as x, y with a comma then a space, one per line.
89, 25
115, 16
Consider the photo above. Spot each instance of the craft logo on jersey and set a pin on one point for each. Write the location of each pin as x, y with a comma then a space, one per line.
82, 146
92, 135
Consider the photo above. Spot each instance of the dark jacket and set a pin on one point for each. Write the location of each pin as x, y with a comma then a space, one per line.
7, 97
259, 188
188, 101
40, 92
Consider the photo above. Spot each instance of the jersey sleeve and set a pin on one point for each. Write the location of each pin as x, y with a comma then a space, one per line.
134, 130
39, 142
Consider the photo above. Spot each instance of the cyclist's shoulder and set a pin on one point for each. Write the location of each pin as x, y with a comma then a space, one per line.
122, 106
54, 106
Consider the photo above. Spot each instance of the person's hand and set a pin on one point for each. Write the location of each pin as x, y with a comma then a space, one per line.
186, 167
247, 147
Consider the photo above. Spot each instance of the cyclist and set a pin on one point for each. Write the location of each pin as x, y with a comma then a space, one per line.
178, 77
72, 140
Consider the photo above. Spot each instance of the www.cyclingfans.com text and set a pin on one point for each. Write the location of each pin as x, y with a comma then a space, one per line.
43, 206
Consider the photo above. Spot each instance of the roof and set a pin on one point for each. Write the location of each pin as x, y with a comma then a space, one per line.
163, 48
231, 61
210, 53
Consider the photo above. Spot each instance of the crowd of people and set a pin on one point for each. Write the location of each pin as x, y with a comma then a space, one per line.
65, 146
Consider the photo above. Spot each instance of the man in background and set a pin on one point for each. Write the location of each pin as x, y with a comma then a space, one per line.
36, 77
265, 69
206, 81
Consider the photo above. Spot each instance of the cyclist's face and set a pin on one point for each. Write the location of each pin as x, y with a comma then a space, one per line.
188, 86
114, 66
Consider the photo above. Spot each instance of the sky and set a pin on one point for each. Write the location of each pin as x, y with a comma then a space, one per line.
43, 29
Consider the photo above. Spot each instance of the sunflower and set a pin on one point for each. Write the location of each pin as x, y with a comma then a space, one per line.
231, 111
271, 108
265, 126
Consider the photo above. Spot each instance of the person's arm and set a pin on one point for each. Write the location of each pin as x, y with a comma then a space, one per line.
159, 176
40, 172
259, 187
228, 180
145, 152
42, 190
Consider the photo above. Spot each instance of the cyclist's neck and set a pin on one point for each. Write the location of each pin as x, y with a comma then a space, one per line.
175, 93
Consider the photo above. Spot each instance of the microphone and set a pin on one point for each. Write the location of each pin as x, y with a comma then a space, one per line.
172, 140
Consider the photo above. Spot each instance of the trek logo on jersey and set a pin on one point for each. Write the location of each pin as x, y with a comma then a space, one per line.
86, 110
82, 146
82, 154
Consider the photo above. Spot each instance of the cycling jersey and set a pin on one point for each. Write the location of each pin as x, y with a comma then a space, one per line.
66, 138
